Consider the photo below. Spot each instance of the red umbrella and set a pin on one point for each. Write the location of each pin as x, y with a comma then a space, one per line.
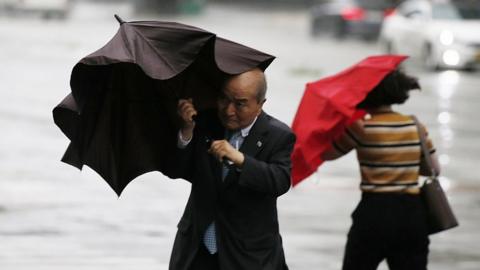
329, 105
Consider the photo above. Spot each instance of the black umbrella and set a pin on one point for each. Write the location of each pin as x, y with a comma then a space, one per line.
121, 114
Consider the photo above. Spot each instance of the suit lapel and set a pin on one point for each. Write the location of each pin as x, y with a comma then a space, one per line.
253, 143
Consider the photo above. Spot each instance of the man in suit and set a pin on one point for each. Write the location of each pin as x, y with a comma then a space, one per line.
238, 162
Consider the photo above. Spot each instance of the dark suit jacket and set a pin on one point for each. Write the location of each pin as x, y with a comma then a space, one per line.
243, 205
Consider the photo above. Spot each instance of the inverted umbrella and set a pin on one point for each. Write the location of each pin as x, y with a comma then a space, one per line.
121, 114
328, 106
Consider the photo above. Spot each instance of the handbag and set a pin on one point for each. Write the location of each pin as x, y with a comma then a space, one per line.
440, 216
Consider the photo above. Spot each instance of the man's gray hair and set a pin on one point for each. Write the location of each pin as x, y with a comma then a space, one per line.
262, 89
257, 79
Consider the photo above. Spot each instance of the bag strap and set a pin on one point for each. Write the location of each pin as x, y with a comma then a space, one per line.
423, 144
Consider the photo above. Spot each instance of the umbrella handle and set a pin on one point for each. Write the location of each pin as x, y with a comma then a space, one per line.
225, 161
120, 21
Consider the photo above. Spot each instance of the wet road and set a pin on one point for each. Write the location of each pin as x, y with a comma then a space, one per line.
53, 217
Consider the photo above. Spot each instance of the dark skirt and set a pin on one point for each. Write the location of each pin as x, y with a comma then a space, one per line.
389, 226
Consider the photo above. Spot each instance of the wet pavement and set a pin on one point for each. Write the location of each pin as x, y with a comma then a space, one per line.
54, 217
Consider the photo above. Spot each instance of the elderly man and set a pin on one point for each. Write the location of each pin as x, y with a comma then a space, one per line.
238, 162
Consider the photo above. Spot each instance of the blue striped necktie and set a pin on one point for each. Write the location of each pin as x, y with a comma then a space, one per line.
210, 237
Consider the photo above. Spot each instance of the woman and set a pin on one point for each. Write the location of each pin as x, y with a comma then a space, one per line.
389, 222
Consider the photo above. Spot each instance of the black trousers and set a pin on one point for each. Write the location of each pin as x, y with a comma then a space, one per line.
388, 226
204, 260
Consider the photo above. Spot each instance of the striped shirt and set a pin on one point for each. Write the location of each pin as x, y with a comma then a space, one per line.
388, 151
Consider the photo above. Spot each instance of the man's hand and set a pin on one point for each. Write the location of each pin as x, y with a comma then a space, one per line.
186, 111
222, 149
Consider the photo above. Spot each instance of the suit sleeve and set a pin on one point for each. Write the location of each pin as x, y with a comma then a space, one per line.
179, 163
272, 177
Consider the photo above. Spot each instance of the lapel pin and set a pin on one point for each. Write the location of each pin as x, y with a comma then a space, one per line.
259, 144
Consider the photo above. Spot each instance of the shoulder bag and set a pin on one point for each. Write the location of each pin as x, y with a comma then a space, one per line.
440, 216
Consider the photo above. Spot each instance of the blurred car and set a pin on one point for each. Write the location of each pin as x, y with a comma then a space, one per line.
47, 8
340, 18
442, 34
6, 5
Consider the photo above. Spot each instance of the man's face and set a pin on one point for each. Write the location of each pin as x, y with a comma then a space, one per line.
238, 105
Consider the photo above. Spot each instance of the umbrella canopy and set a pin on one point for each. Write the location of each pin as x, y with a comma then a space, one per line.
329, 105
121, 114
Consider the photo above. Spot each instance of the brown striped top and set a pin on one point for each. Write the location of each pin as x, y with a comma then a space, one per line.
388, 151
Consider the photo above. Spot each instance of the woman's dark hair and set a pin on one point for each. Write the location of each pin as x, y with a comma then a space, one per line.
393, 89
